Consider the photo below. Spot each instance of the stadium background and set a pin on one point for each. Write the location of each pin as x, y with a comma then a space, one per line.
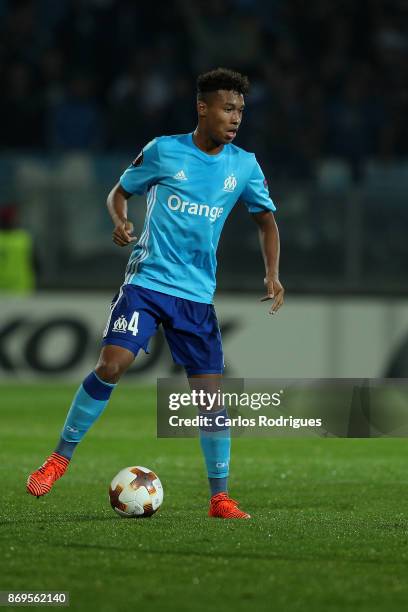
84, 85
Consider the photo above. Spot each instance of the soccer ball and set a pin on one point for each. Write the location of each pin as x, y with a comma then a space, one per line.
136, 492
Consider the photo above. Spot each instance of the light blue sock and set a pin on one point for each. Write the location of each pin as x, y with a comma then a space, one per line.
88, 404
215, 443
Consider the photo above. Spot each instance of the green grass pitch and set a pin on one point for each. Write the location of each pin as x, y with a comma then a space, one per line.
329, 529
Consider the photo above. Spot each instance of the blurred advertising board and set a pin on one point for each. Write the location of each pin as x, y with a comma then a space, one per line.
57, 336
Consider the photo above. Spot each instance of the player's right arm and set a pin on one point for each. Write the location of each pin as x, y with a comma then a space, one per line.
117, 207
142, 173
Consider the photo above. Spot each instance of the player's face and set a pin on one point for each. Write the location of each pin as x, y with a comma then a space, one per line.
224, 115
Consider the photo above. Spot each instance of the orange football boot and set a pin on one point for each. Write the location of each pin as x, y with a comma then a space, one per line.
222, 506
41, 481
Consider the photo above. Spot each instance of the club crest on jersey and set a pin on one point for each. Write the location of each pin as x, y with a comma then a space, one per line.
230, 183
138, 161
120, 325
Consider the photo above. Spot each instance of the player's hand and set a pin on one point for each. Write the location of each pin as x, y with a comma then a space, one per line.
122, 234
275, 292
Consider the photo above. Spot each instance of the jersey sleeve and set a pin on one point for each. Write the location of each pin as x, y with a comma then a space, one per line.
256, 193
143, 171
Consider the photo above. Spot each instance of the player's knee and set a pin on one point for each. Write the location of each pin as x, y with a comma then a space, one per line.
109, 371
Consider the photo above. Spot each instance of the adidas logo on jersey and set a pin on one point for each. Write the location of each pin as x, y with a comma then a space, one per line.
230, 183
180, 176
120, 325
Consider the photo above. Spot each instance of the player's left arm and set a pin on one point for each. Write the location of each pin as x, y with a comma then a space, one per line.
255, 196
270, 245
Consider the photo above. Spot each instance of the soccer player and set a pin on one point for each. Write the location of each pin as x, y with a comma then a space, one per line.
192, 182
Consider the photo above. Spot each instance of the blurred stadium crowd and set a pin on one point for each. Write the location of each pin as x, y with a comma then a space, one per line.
86, 83
329, 78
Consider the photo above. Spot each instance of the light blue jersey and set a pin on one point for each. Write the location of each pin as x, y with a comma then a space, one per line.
189, 197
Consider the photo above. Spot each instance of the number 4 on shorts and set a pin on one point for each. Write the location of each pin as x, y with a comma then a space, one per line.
134, 323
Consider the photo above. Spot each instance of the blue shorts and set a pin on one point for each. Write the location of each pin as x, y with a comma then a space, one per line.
191, 328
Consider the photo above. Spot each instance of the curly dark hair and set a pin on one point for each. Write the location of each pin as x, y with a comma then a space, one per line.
222, 78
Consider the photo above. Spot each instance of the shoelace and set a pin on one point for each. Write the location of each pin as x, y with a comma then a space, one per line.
228, 501
50, 469
47, 469
230, 506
